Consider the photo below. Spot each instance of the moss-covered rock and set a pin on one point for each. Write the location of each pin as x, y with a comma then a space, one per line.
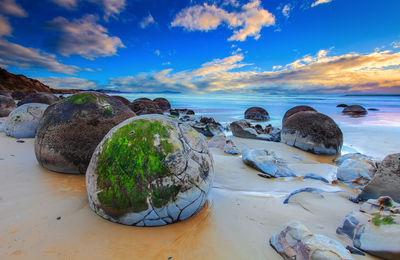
150, 170
71, 129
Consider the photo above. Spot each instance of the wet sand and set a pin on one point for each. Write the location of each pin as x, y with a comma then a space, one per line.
242, 212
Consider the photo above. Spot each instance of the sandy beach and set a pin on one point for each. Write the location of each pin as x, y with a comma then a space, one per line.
45, 215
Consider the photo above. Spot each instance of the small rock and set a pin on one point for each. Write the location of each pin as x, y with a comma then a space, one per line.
355, 251
20, 141
231, 148
355, 110
58, 218
355, 168
341, 105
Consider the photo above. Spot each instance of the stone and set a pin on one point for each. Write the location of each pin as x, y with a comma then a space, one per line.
312, 132
295, 110
355, 110
150, 170
355, 168
70, 130
181, 112
295, 241
341, 105
244, 129
19, 95
163, 103
24, 121
267, 163
42, 98
143, 107
256, 113
5, 93
206, 126
122, 99
231, 148
386, 181
7, 105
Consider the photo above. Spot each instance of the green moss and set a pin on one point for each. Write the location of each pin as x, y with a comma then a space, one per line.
378, 220
79, 99
108, 111
131, 167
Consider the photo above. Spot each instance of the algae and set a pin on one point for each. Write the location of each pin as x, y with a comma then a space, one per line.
378, 220
131, 167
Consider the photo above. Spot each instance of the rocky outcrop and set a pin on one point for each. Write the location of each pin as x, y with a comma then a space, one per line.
267, 163
244, 129
206, 126
355, 110
163, 103
386, 181
70, 130
256, 113
295, 110
143, 106
24, 121
295, 241
42, 98
150, 170
7, 105
312, 132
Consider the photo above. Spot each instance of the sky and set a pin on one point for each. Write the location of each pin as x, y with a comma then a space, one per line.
215, 46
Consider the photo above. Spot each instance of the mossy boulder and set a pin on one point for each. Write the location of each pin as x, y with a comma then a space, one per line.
163, 103
256, 113
7, 105
312, 132
70, 130
295, 110
40, 97
143, 106
24, 121
150, 170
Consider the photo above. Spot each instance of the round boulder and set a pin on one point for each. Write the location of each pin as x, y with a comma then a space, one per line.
313, 132
144, 107
19, 95
256, 113
70, 130
42, 98
7, 105
295, 110
122, 99
24, 121
150, 170
355, 110
163, 103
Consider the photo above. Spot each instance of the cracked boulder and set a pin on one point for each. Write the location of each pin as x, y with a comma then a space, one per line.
70, 130
295, 241
24, 120
7, 105
312, 132
150, 170
40, 97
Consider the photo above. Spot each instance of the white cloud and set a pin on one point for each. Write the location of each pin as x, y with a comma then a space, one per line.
68, 83
157, 52
10, 7
5, 27
246, 23
286, 10
396, 44
111, 7
84, 37
147, 21
12, 54
318, 2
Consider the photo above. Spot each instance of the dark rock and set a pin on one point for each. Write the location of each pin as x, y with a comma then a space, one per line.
7, 105
373, 109
355, 251
355, 110
181, 112
5, 93
313, 132
206, 126
19, 95
295, 110
256, 113
42, 98
143, 106
142, 98
244, 129
70, 130
122, 99
341, 105
386, 181
163, 104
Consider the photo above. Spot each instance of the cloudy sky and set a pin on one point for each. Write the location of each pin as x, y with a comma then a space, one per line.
214, 46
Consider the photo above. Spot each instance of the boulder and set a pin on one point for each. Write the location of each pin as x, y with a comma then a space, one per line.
181, 112
295, 110
231, 148
7, 105
19, 95
206, 126
70, 130
42, 98
355, 168
386, 181
267, 163
355, 110
24, 121
163, 103
150, 170
122, 99
244, 129
143, 106
295, 241
256, 113
312, 132
341, 105
377, 233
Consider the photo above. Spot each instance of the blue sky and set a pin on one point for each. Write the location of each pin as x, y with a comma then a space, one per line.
219, 46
